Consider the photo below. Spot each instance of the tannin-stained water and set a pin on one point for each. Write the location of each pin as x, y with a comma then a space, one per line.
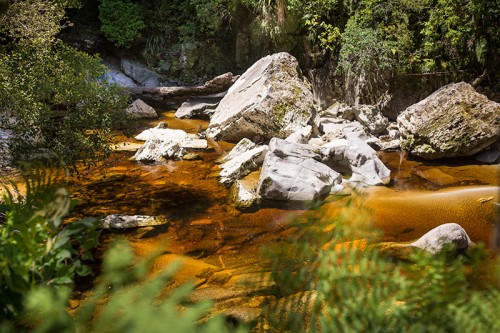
221, 246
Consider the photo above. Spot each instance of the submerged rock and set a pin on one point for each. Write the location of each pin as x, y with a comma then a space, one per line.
293, 172
140, 110
119, 221
271, 99
438, 238
453, 121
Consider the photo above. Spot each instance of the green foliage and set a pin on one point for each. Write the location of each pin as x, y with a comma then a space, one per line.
363, 51
35, 248
124, 300
52, 96
121, 20
333, 279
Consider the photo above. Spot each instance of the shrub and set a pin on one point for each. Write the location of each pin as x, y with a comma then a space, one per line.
121, 21
35, 248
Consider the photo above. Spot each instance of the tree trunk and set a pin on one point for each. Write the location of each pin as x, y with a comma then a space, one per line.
165, 96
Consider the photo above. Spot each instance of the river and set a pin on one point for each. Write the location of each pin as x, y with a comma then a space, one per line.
221, 246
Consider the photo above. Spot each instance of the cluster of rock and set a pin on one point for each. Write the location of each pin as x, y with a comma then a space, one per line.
306, 152
309, 153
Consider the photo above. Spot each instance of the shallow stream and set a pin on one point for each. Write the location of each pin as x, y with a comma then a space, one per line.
221, 246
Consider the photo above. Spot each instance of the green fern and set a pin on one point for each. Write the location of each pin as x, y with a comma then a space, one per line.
333, 278
35, 249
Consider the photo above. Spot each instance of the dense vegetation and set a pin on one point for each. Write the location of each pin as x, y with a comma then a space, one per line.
401, 36
53, 99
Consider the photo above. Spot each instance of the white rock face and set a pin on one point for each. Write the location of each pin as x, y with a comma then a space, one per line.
242, 165
449, 233
271, 99
119, 221
353, 155
140, 110
243, 146
453, 121
243, 195
300, 136
166, 134
196, 108
339, 130
293, 172
166, 143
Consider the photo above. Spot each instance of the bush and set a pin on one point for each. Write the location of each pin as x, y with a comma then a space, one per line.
52, 96
35, 248
121, 21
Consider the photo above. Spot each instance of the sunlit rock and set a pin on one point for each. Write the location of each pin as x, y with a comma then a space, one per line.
293, 172
243, 194
300, 136
242, 165
241, 147
119, 221
140, 110
354, 156
368, 116
166, 143
271, 99
453, 121
199, 108
446, 234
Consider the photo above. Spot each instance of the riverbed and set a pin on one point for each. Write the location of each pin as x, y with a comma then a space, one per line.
221, 247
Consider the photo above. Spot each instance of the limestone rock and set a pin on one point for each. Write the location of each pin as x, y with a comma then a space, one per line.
196, 108
353, 155
293, 172
367, 115
453, 121
119, 221
140, 110
449, 233
242, 165
243, 194
166, 143
243, 146
300, 136
271, 99
141, 74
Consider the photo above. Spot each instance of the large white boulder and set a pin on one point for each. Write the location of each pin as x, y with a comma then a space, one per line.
166, 143
453, 121
435, 240
293, 172
271, 99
